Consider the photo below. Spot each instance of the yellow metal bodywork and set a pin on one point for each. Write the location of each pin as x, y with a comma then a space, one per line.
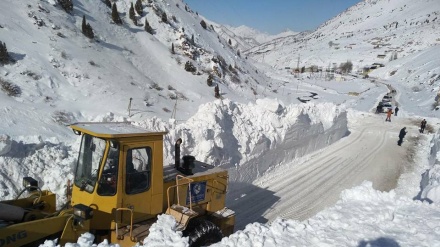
125, 218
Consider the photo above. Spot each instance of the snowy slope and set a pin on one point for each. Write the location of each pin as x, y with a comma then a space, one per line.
259, 131
245, 38
363, 32
61, 72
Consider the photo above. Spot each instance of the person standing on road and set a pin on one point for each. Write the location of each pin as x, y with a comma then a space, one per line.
389, 113
401, 136
422, 126
378, 109
396, 110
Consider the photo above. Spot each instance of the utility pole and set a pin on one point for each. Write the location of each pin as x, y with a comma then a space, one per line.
173, 114
129, 107
297, 66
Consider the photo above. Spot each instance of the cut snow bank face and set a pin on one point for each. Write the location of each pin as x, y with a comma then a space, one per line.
430, 183
5, 144
247, 138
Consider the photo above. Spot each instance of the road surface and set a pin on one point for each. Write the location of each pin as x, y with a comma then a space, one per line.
300, 190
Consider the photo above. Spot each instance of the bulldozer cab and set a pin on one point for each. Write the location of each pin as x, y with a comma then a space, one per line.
120, 166
120, 186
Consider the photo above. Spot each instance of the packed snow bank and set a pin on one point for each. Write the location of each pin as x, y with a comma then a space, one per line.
339, 225
51, 164
430, 183
5, 144
248, 138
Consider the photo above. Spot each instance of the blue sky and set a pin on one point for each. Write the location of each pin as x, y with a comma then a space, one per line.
271, 16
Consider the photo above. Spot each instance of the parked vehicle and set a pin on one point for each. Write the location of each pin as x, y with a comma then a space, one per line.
387, 98
386, 106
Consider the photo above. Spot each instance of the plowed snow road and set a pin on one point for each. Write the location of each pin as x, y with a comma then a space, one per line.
302, 189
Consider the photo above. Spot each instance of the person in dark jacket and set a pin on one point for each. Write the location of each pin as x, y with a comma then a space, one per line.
401, 136
396, 110
422, 126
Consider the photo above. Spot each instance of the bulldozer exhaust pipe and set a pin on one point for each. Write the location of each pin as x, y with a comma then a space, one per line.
177, 153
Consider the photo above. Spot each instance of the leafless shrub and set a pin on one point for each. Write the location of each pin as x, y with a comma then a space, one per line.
165, 109
235, 79
91, 62
181, 96
393, 72
415, 89
48, 99
31, 74
156, 86
63, 117
9, 88
64, 55
59, 34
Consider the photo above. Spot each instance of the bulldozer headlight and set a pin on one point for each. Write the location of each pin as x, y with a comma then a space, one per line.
30, 183
82, 212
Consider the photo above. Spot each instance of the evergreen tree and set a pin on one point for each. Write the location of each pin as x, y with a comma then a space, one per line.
164, 17
108, 3
84, 24
238, 53
89, 33
138, 7
4, 56
192, 39
229, 42
87, 29
131, 12
172, 48
147, 27
115, 14
67, 5
203, 23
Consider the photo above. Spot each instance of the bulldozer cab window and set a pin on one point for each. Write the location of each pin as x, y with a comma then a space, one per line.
109, 176
138, 170
90, 157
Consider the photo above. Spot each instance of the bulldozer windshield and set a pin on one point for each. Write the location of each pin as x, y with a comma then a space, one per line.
90, 156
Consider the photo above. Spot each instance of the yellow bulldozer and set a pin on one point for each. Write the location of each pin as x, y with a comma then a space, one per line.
120, 187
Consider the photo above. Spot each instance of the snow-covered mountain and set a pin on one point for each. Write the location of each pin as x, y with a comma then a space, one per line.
372, 31
245, 38
124, 73
171, 66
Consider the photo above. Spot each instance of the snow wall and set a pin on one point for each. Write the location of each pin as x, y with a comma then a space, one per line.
430, 182
249, 139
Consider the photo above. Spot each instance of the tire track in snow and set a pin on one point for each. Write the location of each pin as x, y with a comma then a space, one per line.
298, 174
318, 182
330, 189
